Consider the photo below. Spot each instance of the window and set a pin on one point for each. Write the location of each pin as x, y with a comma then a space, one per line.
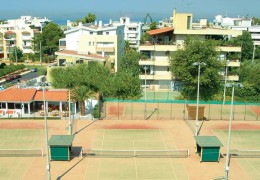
90, 32
188, 22
89, 43
107, 33
100, 33
2, 105
93, 43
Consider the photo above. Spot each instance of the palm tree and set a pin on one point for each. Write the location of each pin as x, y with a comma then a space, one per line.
82, 93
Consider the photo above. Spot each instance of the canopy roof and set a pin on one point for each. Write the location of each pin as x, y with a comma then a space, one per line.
208, 141
61, 140
160, 31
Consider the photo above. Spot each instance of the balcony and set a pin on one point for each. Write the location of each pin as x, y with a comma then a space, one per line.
234, 63
26, 38
157, 76
233, 78
105, 49
229, 49
158, 47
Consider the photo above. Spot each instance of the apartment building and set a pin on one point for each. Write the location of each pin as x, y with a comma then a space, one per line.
17, 33
241, 24
165, 41
92, 43
132, 30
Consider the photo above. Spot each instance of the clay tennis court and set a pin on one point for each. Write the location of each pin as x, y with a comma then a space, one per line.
126, 134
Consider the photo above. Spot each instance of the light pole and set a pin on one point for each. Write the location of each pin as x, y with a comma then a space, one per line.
198, 94
48, 167
145, 110
230, 127
41, 52
70, 124
253, 56
224, 93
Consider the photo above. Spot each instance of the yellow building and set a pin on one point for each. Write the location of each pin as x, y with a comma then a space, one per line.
163, 42
20, 38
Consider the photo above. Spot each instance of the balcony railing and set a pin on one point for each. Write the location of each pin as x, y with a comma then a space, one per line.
105, 49
234, 63
233, 78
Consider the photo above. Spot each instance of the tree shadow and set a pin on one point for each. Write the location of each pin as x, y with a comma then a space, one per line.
59, 177
155, 109
85, 127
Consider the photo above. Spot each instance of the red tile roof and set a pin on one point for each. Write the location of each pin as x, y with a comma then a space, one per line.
76, 53
9, 32
17, 95
52, 95
159, 31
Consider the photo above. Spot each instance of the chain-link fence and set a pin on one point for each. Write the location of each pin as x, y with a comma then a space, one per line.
176, 109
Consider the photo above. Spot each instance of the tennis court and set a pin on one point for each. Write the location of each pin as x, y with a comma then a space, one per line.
244, 140
16, 167
130, 136
128, 140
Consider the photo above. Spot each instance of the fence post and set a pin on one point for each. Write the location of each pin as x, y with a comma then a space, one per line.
171, 112
209, 113
117, 109
132, 110
245, 113
158, 110
184, 110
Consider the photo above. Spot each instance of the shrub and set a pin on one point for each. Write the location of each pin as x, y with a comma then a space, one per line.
96, 112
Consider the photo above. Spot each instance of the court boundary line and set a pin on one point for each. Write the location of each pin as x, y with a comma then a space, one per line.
163, 141
136, 174
99, 162
22, 160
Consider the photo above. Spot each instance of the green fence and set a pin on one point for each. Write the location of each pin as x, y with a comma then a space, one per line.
176, 109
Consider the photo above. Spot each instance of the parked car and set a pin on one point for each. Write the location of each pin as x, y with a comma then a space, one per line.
13, 77
34, 70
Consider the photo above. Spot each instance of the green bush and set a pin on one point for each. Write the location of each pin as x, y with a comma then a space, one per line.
96, 112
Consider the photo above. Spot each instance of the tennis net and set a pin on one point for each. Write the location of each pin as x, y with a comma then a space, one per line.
21, 153
239, 153
176, 153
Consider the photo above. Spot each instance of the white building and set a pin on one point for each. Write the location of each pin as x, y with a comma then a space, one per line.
92, 43
241, 24
167, 22
132, 30
18, 33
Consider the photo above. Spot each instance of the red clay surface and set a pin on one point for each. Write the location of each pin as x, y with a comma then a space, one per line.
256, 110
129, 126
21, 125
77, 168
116, 110
239, 126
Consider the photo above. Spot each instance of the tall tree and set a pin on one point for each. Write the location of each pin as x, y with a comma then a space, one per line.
247, 45
182, 67
130, 62
84, 79
125, 85
17, 54
91, 17
50, 38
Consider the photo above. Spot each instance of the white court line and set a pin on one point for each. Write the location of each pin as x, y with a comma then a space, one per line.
168, 158
31, 161
17, 164
136, 175
86, 170
99, 163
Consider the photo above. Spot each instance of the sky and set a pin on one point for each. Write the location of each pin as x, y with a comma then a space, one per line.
136, 9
